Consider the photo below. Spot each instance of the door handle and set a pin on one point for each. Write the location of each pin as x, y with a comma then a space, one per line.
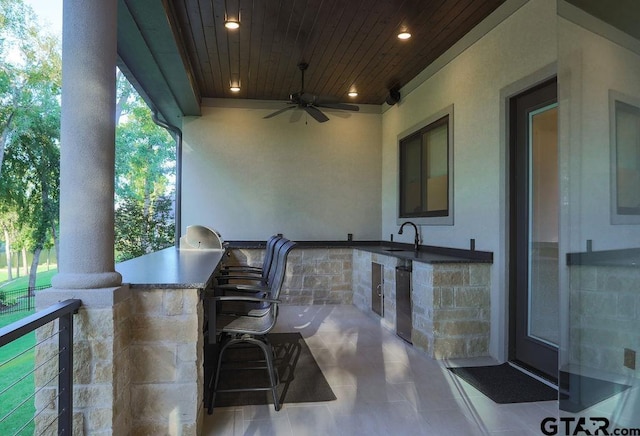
378, 288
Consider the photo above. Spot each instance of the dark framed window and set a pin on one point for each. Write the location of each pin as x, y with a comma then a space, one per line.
625, 159
425, 171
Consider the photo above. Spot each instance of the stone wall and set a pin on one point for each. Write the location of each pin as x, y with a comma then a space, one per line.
451, 309
314, 275
101, 375
138, 362
604, 310
167, 351
450, 303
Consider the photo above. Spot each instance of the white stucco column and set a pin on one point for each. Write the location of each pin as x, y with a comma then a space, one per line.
89, 47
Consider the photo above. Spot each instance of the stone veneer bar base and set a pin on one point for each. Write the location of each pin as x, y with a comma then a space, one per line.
314, 275
450, 303
138, 361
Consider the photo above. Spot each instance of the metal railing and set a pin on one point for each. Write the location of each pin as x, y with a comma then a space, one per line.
63, 312
18, 300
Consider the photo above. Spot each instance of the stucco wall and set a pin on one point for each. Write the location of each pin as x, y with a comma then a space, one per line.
590, 67
518, 47
250, 177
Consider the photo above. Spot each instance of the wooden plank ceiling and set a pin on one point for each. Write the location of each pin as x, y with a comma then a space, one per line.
348, 44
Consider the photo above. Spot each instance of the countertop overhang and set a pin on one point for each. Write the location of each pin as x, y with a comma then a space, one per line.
171, 268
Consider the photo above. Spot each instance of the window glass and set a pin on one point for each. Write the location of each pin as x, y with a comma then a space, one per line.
627, 159
411, 175
424, 171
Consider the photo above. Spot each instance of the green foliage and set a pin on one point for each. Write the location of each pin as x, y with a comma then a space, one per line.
6, 300
139, 233
145, 169
145, 152
30, 83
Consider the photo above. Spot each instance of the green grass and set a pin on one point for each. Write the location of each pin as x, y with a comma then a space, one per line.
12, 369
22, 282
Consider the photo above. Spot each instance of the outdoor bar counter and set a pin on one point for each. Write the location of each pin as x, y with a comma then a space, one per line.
162, 319
171, 268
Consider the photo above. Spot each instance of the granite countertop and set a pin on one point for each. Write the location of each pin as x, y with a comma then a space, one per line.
426, 254
171, 268
432, 254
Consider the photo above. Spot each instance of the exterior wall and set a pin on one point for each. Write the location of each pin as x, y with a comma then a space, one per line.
314, 275
248, 177
520, 46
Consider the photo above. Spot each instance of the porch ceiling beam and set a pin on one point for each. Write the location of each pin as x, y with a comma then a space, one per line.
150, 54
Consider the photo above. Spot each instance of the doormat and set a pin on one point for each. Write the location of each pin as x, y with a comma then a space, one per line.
578, 392
300, 377
505, 384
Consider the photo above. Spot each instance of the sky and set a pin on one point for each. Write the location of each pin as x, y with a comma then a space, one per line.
49, 12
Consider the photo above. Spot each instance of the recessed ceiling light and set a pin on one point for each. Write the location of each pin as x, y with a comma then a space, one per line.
235, 89
231, 24
352, 93
404, 35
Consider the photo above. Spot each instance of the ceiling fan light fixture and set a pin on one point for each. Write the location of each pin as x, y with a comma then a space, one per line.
404, 35
232, 24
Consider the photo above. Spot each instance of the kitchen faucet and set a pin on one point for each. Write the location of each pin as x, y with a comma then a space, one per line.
416, 243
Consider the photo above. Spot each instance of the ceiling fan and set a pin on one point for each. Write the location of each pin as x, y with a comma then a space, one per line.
310, 103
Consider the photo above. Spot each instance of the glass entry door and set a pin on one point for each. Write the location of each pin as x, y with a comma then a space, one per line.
534, 236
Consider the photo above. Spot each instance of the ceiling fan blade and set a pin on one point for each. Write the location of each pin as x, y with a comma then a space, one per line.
316, 114
278, 112
343, 106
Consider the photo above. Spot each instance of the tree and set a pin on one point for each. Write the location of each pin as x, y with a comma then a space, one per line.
139, 232
145, 169
9, 220
30, 82
30, 69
